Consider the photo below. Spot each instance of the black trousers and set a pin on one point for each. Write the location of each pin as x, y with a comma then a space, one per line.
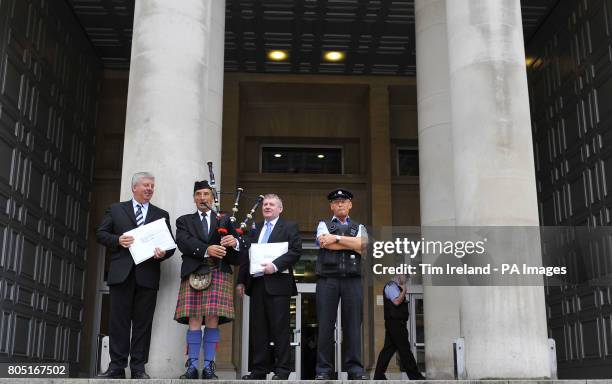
131, 309
269, 321
396, 339
329, 292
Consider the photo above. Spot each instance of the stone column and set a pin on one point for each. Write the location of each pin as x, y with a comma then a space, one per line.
380, 143
382, 214
504, 327
441, 304
173, 127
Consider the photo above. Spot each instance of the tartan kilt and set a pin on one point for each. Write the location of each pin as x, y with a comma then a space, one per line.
217, 300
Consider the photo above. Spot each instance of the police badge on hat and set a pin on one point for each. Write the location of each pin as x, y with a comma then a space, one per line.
339, 194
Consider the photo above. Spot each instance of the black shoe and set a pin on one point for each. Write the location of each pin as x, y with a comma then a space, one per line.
142, 375
208, 373
191, 372
114, 373
281, 376
358, 376
415, 376
323, 376
254, 376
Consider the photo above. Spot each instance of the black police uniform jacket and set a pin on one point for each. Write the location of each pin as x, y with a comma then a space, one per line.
339, 263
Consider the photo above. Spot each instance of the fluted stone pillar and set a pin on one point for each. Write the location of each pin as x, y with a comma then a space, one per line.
504, 327
441, 304
173, 127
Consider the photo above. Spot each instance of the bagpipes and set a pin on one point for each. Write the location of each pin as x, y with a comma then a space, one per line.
244, 225
227, 225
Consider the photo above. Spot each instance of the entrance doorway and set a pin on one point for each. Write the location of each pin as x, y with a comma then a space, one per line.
416, 332
304, 331
303, 322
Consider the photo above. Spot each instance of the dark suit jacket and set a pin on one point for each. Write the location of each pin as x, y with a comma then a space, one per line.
282, 284
192, 244
118, 219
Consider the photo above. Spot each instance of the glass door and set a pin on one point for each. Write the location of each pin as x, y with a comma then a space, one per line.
303, 328
416, 329
303, 323
296, 333
308, 332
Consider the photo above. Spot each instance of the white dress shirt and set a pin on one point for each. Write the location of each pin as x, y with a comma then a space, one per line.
263, 229
144, 209
207, 214
322, 229
263, 232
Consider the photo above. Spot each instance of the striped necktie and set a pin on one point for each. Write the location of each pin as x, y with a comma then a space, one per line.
139, 216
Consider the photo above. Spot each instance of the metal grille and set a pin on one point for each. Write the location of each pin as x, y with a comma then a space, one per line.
48, 78
570, 81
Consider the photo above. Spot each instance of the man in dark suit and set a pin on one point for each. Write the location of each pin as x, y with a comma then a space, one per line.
133, 288
208, 245
271, 292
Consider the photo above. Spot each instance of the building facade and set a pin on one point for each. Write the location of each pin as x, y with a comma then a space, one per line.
433, 98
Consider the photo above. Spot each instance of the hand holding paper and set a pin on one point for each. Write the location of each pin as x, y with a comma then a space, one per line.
148, 239
264, 254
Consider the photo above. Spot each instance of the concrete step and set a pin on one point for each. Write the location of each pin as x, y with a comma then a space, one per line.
178, 381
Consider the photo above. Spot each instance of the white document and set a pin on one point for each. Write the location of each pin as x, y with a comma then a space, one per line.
147, 238
265, 253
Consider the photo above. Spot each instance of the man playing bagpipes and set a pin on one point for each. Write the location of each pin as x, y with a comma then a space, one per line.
209, 247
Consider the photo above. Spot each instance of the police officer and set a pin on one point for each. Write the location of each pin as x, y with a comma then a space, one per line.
396, 333
341, 241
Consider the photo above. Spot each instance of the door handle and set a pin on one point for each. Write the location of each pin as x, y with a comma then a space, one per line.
295, 343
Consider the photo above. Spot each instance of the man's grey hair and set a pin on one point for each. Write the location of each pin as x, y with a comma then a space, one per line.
274, 196
141, 175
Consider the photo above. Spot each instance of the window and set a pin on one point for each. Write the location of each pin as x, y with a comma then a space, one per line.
298, 159
408, 161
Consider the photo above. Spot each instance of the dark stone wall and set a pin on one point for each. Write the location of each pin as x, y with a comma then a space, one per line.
570, 80
49, 79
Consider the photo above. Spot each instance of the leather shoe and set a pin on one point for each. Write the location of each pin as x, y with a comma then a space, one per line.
358, 376
323, 376
191, 372
208, 373
254, 376
112, 374
281, 376
416, 376
142, 375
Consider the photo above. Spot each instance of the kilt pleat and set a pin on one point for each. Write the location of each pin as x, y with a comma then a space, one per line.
216, 300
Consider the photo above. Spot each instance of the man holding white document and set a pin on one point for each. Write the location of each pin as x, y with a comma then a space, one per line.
268, 279
133, 286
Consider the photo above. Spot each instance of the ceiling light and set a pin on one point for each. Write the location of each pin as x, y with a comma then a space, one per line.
277, 55
321, 156
278, 155
333, 56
